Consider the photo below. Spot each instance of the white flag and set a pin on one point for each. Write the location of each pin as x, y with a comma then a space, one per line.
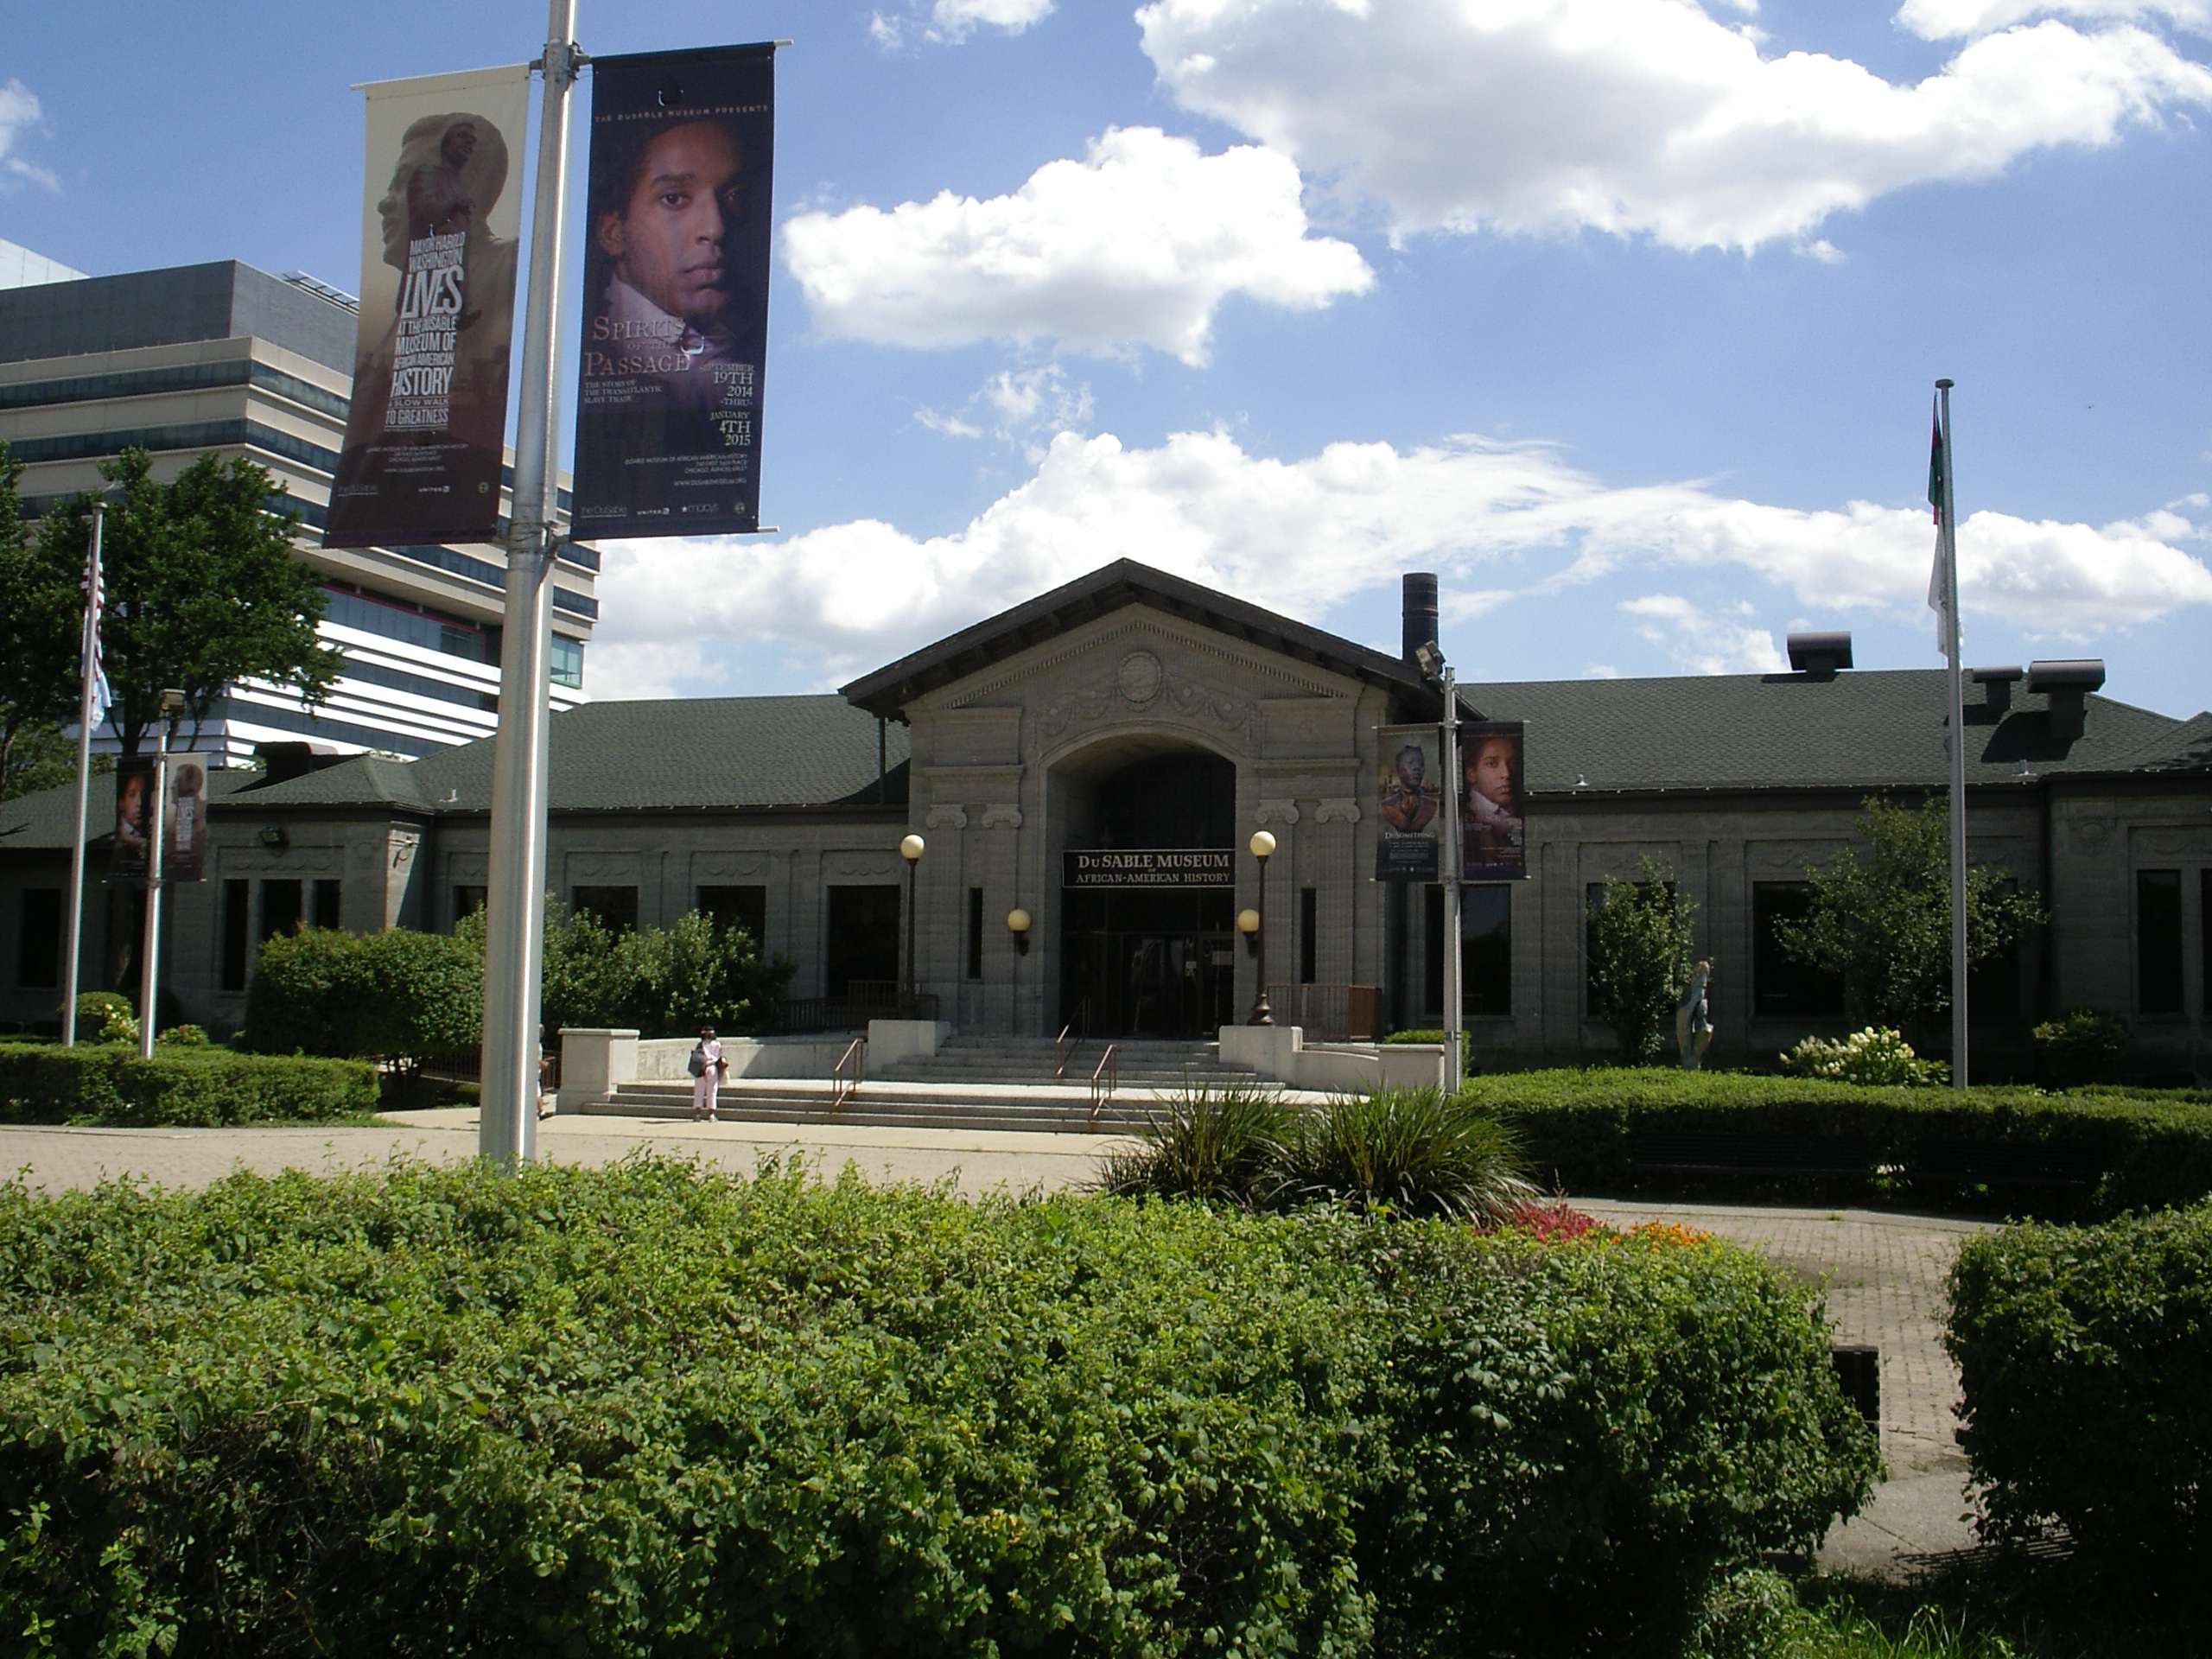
1939, 600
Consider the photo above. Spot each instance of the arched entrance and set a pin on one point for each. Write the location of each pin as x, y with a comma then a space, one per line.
1147, 934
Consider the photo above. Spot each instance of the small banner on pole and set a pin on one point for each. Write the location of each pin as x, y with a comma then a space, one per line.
134, 818
1493, 803
184, 815
1409, 803
441, 214
675, 293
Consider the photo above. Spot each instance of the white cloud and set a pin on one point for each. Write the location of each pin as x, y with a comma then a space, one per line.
19, 112
1702, 641
1137, 244
1023, 406
1305, 536
951, 20
1642, 116
1947, 20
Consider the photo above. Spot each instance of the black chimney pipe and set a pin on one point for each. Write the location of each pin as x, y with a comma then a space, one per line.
1419, 613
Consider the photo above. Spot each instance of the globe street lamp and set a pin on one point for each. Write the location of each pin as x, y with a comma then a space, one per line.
910, 850
1263, 845
1017, 926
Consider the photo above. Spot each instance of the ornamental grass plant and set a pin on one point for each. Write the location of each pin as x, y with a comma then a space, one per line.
1218, 1145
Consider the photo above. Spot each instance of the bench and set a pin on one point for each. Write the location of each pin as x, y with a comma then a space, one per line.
2005, 1163
1750, 1151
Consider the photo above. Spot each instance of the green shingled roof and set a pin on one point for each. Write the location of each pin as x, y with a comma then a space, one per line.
41, 822
1857, 730
695, 753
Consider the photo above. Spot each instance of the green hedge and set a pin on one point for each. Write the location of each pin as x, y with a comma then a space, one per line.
2085, 1355
1580, 1128
108, 1083
652, 1409
396, 993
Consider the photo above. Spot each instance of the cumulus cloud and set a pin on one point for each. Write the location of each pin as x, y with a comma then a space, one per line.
1139, 243
951, 22
1646, 117
1022, 406
1305, 536
19, 112
1947, 20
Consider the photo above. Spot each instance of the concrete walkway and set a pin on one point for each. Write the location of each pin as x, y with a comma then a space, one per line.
1883, 1273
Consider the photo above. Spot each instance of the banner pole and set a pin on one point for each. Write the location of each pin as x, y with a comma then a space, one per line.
1958, 755
149, 948
514, 942
1454, 790
76, 943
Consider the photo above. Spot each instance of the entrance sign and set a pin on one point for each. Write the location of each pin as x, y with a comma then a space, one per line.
1410, 802
1176, 866
675, 293
1493, 803
425, 434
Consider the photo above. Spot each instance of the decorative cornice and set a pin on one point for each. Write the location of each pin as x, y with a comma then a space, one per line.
1341, 809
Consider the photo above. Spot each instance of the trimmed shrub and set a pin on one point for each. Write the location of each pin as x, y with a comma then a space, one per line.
194, 1087
1877, 1056
653, 1409
390, 994
2085, 1355
2081, 1045
1579, 1129
96, 1011
184, 1036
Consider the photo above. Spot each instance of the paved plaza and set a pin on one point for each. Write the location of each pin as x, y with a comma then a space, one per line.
1883, 1273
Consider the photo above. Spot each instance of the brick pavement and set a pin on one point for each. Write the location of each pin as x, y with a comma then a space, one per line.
1883, 1273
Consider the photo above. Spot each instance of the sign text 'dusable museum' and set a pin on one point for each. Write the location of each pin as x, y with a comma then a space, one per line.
1151, 868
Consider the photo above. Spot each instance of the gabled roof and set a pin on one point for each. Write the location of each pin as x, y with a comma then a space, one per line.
1109, 588
41, 822
698, 753
1860, 729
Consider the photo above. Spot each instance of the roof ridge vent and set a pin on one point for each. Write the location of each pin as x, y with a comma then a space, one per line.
1820, 656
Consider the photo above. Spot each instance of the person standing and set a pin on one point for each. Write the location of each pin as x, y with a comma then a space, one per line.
708, 1068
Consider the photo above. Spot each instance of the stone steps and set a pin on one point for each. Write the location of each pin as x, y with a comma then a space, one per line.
889, 1105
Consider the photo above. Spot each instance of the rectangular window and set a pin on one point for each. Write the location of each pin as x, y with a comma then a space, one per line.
280, 907
236, 920
126, 931
1432, 941
1309, 932
615, 909
974, 932
1993, 983
327, 907
863, 958
568, 662
2158, 941
744, 907
38, 940
1784, 988
467, 900
1486, 950
2204, 932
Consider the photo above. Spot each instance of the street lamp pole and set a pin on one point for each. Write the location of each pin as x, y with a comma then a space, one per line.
1262, 844
911, 849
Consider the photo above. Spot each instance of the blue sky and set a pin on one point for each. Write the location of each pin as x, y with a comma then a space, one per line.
1621, 314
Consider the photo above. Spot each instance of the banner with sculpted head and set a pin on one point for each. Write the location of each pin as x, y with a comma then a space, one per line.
441, 211
675, 293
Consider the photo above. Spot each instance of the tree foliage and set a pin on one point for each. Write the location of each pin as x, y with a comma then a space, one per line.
664, 982
1640, 941
202, 589
1882, 919
39, 630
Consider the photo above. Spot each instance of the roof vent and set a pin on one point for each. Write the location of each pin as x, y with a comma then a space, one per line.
1996, 685
2068, 685
1819, 655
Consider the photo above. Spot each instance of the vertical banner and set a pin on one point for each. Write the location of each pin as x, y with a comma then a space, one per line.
1493, 803
184, 816
134, 817
1410, 802
675, 293
441, 214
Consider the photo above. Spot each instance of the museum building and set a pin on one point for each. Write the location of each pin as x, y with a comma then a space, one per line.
1131, 711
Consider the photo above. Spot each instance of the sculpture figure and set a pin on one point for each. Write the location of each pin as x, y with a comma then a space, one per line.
1694, 1020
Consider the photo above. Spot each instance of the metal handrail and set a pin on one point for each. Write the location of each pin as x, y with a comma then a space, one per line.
854, 1059
1063, 1052
1104, 1081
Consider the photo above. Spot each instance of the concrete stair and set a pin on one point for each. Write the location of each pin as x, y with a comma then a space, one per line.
1142, 1062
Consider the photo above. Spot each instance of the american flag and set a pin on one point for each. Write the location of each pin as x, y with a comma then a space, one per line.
93, 669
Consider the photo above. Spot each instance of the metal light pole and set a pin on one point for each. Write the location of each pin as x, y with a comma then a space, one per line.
911, 849
84, 789
1454, 790
514, 945
149, 943
1262, 844
1958, 750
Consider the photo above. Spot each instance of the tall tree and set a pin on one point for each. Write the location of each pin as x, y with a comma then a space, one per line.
1882, 919
1640, 940
40, 612
202, 588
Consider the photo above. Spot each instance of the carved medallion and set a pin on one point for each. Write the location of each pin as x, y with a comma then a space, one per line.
1140, 677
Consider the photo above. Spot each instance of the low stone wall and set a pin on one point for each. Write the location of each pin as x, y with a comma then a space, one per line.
1281, 1052
593, 1063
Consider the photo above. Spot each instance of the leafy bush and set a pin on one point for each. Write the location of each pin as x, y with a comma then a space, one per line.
99, 1011
1218, 1146
1578, 1129
1640, 939
2085, 1355
199, 1087
1877, 1056
184, 1036
2081, 1045
388, 994
1410, 1150
653, 1409
663, 982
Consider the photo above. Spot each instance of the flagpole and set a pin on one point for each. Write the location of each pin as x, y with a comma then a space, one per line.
85, 645
1958, 747
514, 945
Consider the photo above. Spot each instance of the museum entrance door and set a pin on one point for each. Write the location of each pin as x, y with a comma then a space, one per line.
1147, 928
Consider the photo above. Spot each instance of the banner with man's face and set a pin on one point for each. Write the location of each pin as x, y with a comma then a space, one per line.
1493, 803
675, 293
134, 818
441, 211
1409, 804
